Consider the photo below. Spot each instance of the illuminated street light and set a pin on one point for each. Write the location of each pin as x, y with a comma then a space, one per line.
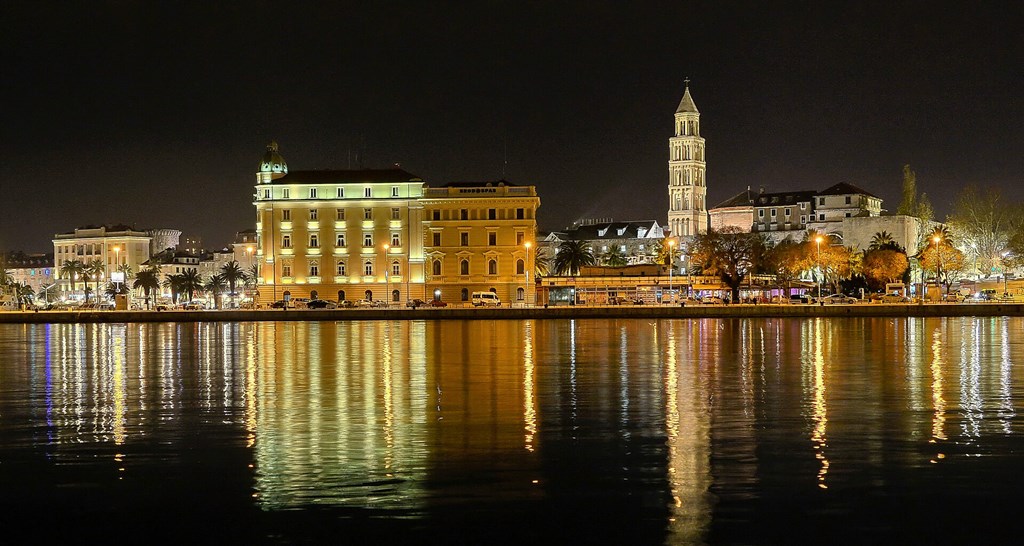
938, 260
527, 271
818, 241
671, 266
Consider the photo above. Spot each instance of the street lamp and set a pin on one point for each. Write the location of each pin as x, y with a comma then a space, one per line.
817, 241
671, 266
938, 260
526, 270
387, 280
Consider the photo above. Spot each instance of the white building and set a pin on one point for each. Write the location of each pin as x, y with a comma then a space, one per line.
687, 209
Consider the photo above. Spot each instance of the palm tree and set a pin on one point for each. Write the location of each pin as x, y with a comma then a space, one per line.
231, 273
95, 268
175, 284
571, 256
542, 261
72, 270
215, 286
147, 280
882, 240
614, 257
252, 276
191, 283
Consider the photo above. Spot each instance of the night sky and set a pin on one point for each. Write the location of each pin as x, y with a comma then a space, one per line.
157, 113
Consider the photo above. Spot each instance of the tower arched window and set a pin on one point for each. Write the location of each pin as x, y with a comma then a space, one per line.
437, 267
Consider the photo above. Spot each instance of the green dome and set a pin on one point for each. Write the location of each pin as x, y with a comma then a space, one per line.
272, 161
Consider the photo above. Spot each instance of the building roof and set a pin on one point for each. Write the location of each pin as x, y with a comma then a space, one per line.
347, 176
844, 188
485, 183
744, 198
686, 104
784, 198
613, 230
17, 260
272, 161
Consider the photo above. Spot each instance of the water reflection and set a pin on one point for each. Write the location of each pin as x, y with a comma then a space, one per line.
652, 431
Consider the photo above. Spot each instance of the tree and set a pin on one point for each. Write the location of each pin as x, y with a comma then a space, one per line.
614, 257
913, 205
883, 241
884, 265
571, 256
231, 273
149, 281
72, 270
983, 222
95, 269
215, 285
191, 283
730, 254
786, 261
252, 276
542, 261
941, 256
175, 283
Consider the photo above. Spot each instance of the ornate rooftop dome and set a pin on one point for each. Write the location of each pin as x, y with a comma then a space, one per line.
272, 161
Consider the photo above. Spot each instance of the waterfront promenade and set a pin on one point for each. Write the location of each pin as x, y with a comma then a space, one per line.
525, 312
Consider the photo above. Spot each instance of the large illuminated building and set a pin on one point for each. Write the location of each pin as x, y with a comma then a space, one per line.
368, 234
687, 191
108, 247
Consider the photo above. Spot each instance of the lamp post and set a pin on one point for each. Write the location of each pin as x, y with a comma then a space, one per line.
817, 241
671, 266
1002, 264
387, 280
938, 261
117, 263
526, 270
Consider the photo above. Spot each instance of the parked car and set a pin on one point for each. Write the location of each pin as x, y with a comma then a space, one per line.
895, 298
163, 307
438, 303
366, 303
712, 300
485, 298
279, 304
193, 306
415, 302
346, 304
801, 298
839, 298
321, 304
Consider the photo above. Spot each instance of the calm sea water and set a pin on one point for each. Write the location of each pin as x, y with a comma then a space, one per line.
762, 431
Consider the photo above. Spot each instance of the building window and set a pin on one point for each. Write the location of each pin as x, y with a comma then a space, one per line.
774, 213
788, 211
520, 237
622, 248
848, 200
821, 201
314, 240
520, 293
437, 267
520, 214
339, 193
396, 268
286, 241
396, 214
435, 214
463, 214
394, 191
492, 239
286, 270
492, 267
803, 206
286, 193
341, 296
464, 238
368, 295
312, 214
341, 270
286, 214
821, 217
368, 268
847, 214
464, 294
266, 194
367, 239
520, 267
339, 239
396, 240
367, 214
367, 192
396, 295
312, 193
760, 213
339, 214
314, 269
437, 239
464, 267
492, 214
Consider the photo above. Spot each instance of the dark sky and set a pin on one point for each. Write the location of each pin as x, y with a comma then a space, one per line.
156, 113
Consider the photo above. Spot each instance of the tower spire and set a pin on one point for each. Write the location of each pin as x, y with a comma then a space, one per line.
687, 210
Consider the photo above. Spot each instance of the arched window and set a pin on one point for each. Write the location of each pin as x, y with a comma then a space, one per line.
465, 294
492, 267
341, 295
493, 290
437, 267
396, 268
520, 267
368, 268
464, 267
395, 295
341, 269
368, 295
520, 293
314, 295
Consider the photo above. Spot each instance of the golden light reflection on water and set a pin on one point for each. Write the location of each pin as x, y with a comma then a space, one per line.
376, 414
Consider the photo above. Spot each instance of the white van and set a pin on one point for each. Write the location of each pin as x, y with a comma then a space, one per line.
486, 298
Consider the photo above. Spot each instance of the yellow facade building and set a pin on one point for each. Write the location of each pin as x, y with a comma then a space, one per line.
368, 235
